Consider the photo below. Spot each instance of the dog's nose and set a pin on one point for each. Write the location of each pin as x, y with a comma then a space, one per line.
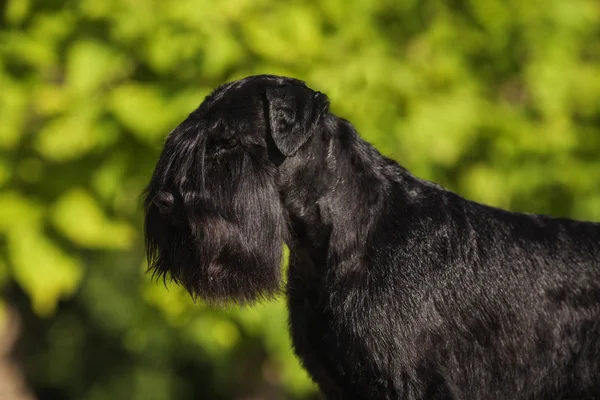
164, 202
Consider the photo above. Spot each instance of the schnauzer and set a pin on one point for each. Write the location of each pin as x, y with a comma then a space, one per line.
397, 288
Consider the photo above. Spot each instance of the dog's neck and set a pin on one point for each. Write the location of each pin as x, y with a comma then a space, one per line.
333, 191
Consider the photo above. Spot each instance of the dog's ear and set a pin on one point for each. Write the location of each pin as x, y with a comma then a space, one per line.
294, 112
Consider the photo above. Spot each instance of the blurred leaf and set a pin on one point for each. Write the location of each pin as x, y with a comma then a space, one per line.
5, 171
457, 113
17, 210
16, 11
170, 299
52, 99
222, 51
78, 216
214, 334
285, 35
485, 185
170, 48
51, 28
24, 49
107, 179
4, 278
91, 65
75, 134
13, 103
142, 110
42, 269
96, 8
30, 169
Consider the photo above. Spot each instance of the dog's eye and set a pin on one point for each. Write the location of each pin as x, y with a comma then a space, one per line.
225, 144
229, 143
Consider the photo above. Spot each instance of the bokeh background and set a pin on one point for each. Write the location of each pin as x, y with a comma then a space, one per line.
499, 100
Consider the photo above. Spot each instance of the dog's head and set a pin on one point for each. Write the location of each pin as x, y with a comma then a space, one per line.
214, 220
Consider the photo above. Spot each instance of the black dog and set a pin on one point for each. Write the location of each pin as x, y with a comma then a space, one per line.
397, 288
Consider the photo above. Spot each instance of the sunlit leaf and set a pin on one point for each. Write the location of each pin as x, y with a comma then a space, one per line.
42, 269
80, 218
68, 137
13, 103
91, 65
286, 35
17, 210
16, 10
51, 99
457, 113
142, 110
107, 179
222, 51
170, 299
75, 134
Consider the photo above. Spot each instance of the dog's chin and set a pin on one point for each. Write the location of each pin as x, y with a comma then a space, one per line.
232, 277
237, 278
236, 263
221, 265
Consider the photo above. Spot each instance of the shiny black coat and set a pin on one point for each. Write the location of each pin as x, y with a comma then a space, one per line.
397, 288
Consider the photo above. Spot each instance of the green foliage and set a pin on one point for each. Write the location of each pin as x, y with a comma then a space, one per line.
496, 99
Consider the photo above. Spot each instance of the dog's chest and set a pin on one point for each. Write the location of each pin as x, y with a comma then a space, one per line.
331, 343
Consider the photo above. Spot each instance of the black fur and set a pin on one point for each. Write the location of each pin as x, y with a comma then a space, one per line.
397, 288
